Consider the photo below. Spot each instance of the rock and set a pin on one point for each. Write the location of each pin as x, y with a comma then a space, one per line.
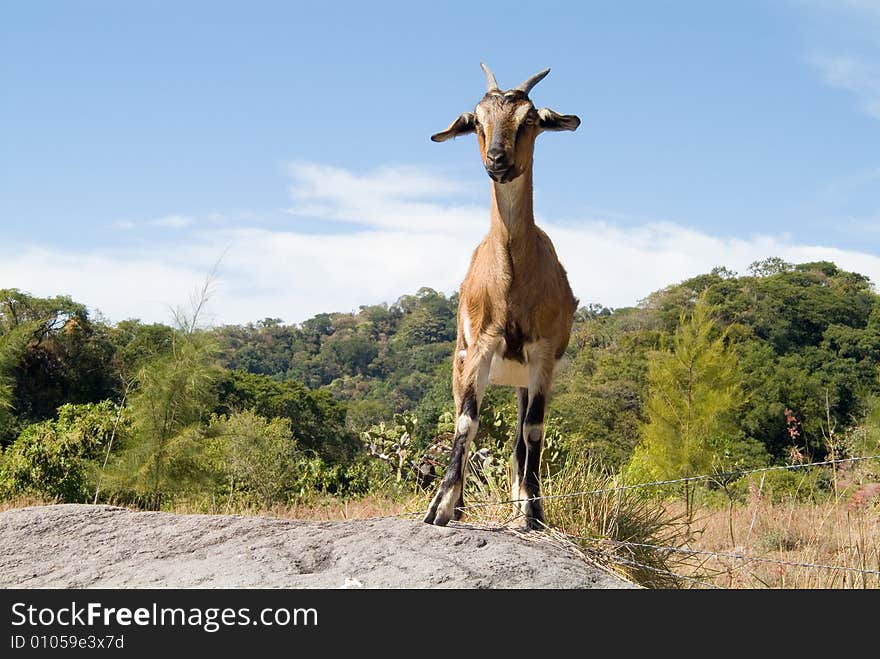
84, 546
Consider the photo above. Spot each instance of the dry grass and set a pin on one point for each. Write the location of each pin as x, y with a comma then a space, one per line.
832, 533
318, 508
323, 508
841, 531
23, 502
791, 536
587, 521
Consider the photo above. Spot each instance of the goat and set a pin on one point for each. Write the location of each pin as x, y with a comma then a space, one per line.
516, 307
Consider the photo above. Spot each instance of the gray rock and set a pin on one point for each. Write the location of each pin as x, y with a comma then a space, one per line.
82, 546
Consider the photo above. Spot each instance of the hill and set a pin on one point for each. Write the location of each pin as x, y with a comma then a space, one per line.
349, 403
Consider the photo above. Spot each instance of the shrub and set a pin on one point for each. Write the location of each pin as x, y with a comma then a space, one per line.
55, 459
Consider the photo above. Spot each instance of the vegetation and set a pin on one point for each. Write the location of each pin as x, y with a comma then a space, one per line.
714, 375
694, 398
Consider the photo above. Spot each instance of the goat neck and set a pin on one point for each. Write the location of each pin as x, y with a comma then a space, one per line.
513, 219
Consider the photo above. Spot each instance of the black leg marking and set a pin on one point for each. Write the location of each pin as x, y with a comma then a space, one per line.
432, 510
469, 403
455, 470
535, 415
454, 477
534, 509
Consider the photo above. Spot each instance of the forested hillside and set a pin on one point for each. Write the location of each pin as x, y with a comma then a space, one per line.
717, 372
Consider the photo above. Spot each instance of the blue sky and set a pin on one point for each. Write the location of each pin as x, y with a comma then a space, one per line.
141, 142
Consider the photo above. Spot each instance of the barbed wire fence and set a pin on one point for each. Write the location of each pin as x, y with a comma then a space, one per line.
719, 477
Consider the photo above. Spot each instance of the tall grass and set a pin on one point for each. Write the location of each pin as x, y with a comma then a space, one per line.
640, 535
606, 518
789, 535
776, 535
595, 523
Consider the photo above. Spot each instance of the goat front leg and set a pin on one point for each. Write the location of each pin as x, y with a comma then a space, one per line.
528, 450
469, 379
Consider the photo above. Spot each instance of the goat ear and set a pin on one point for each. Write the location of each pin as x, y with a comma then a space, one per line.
465, 124
550, 120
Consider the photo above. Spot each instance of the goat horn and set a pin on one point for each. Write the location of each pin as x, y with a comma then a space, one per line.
491, 84
526, 87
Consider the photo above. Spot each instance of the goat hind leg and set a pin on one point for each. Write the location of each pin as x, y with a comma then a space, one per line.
540, 376
533, 431
518, 459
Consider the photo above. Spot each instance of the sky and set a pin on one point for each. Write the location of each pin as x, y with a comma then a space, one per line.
285, 147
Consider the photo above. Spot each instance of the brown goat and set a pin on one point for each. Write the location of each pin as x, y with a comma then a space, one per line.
516, 307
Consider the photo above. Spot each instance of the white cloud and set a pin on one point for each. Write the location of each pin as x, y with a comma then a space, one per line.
845, 187
845, 39
853, 74
293, 276
173, 221
618, 266
146, 285
388, 197
853, 9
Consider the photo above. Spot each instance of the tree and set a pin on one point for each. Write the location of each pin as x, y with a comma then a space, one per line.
694, 390
317, 422
66, 357
599, 399
429, 319
259, 455
772, 265
13, 343
55, 458
172, 398
136, 343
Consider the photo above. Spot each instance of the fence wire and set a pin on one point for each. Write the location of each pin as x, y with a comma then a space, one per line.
673, 481
628, 561
721, 554
718, 476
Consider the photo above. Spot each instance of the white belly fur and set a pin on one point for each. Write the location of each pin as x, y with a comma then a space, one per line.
508, 372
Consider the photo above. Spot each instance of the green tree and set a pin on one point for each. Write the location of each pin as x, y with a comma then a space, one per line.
172, 398
694, 391
259, 456
772, 265
135, 343
56, 458
316, 420
598, 395
66, 358
13, 344
431, 320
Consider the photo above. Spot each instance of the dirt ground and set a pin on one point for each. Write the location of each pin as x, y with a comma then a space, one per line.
83, 546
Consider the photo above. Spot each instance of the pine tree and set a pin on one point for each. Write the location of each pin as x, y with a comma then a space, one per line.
170, 405
694, 391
